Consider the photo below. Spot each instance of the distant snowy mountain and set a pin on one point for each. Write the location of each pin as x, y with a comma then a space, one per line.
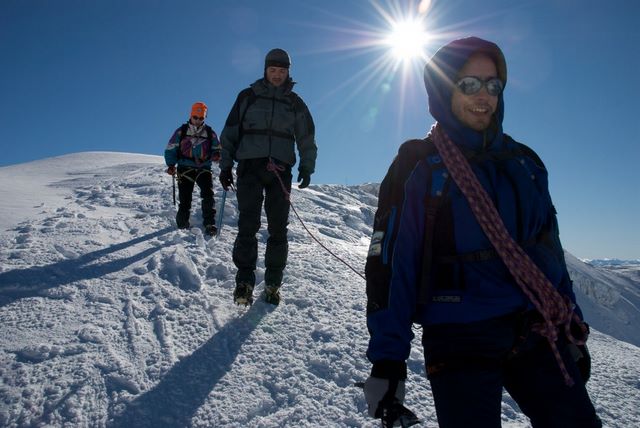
629, 268
110, 317
611, 263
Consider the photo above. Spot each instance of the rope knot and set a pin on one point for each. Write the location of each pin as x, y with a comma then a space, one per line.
277, 169
274, 167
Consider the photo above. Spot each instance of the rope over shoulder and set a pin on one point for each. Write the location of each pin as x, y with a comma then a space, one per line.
556, 310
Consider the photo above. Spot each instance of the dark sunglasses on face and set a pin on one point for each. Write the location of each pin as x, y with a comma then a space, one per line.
470, 85
198, 117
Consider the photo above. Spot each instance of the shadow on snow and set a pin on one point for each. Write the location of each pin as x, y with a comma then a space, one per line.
185, 388
29, 282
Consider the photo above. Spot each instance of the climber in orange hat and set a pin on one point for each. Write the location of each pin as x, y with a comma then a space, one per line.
193, 147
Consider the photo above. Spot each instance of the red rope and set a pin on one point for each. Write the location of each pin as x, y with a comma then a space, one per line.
276, 169
555, 309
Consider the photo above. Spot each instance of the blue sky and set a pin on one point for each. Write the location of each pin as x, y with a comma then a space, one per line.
121, 75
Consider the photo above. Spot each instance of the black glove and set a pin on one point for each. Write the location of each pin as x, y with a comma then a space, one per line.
226, 178
581, 356
384, 400
580, 353
375, 390
304, 178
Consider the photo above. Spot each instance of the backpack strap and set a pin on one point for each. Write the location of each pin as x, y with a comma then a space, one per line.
439, 178
251, 98
183, 133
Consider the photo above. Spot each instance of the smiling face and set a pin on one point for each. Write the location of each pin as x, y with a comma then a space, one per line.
475, 111
277, 75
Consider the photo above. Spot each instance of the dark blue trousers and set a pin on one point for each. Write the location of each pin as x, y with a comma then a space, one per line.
257, 185
188, 178
468, 365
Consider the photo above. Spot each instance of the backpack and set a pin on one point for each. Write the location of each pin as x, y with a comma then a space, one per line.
203, 152
439, 227
252, 98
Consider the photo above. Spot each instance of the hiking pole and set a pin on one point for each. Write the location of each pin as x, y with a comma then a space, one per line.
174, 189
221, 212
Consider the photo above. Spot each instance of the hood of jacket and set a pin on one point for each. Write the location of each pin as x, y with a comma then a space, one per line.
439, 78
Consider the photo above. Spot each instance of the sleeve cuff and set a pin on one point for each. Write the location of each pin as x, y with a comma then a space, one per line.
389, 369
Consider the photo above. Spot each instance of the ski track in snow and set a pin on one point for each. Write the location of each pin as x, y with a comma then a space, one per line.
112, 317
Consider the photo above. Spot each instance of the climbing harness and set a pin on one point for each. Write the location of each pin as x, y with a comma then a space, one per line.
185, 172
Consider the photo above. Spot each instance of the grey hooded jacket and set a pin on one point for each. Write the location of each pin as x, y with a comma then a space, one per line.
266, 121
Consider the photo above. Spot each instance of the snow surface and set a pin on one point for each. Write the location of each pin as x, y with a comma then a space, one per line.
109, 316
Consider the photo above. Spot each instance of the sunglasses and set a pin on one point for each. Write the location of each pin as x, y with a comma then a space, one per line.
470, 85
198, 117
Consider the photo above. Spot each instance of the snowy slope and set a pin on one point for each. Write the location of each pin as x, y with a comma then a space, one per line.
111, 317
610, 299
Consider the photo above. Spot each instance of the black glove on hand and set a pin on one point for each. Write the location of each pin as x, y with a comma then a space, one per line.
304, 178
580, 353
226, 178
375, 389
581, 356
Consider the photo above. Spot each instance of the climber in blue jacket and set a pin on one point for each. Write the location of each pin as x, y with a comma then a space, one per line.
491, 318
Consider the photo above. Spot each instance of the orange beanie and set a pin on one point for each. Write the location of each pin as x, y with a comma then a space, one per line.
199, 109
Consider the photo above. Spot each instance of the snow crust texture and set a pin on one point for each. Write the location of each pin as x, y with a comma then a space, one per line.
110, 317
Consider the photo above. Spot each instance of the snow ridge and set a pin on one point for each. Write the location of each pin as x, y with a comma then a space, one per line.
110, 317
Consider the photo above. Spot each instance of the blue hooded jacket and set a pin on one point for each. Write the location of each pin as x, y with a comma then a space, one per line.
474, 288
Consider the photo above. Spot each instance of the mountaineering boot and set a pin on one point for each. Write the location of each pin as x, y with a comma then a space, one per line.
272, 294
182, 219
210, 230
243, 294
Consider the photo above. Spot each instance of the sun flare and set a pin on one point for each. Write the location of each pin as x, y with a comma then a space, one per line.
407, 39
397, 43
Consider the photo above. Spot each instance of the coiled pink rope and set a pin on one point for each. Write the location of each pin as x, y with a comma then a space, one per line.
556, 310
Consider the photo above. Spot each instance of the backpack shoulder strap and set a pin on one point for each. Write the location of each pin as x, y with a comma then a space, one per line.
251, 98
209, 131
526, 151
439, 180
296, 101
183, 133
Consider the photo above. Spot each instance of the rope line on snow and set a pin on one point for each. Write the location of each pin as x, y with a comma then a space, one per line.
271, 166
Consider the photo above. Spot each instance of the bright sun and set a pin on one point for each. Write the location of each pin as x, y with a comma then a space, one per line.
407, 39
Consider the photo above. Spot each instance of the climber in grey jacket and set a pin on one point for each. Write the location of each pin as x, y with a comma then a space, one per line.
265, 122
